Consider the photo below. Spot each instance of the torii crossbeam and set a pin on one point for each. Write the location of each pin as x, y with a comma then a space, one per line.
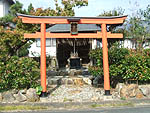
104, 21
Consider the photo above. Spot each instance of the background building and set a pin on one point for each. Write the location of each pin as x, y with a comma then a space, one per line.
4, 7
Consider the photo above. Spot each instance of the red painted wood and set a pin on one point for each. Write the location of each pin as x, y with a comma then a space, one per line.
43, 56
105, 58
65, 21
68, 35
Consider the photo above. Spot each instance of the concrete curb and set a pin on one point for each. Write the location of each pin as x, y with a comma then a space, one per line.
82, 105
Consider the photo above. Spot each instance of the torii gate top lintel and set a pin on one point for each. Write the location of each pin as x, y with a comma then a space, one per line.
65, 19
104, 21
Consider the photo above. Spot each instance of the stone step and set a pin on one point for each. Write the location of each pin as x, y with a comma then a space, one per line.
60, 80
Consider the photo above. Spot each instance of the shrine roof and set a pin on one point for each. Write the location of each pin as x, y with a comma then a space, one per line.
81, 28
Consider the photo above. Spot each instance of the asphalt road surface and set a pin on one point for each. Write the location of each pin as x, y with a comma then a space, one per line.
145, 109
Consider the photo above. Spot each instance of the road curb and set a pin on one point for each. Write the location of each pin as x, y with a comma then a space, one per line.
81, 104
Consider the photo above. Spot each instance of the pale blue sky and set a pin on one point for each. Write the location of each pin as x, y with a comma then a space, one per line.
95, 7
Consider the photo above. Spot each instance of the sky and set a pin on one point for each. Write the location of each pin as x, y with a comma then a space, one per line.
95, 7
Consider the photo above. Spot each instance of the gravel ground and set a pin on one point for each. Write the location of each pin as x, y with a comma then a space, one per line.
71, 93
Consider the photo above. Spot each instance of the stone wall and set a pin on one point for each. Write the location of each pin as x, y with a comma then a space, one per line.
19, 96
133, 91
76, 89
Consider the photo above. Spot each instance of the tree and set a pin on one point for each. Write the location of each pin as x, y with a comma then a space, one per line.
137, 28
65, 9
114, 28
30, 8
137, 32
115, 12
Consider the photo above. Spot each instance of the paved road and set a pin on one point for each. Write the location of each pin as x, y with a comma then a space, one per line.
145, 109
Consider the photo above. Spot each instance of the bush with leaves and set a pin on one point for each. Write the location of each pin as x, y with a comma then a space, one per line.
116, 56
18, 73
136, 66
124, 64
97, 58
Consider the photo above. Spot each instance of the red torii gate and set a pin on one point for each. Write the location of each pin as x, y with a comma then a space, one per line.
104, 21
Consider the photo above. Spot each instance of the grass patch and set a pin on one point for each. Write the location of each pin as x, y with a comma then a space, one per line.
53, 94
112, 105
30, 107
21, 107
122, 98
67, 100
96, 105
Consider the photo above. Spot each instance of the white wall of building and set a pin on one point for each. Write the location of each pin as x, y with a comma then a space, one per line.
131, 45
1, 9
35, 51
126, 44
4, 7
94, 43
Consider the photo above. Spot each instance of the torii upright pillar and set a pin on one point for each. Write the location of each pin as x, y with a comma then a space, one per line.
43, 59
105, 60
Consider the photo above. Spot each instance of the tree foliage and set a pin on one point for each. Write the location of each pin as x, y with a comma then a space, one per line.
12, 41
115, 12
137, 28
65, 9
137, 31
146, 13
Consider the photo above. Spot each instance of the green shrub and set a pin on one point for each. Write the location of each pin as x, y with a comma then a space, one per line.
116, 56
124, 64
97, 57
18, 73
136, 67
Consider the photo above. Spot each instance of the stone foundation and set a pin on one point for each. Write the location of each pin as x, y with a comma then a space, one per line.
60, 80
